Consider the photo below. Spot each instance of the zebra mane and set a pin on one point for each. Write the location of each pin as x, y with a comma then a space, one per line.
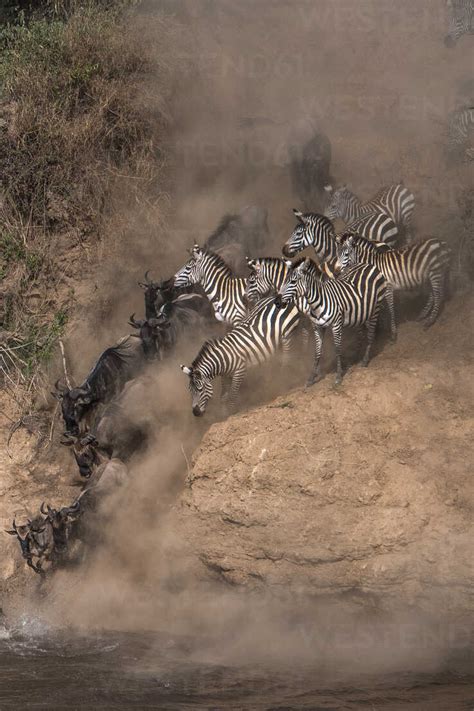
221, 263
370, 244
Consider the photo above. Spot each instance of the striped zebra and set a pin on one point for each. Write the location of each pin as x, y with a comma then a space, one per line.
461, 20
394, 202
460, 124
353, 299
225, 291
315, 231
267, 275
251, 342
425, 262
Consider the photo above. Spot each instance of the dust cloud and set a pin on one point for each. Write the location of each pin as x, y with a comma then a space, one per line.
376, 77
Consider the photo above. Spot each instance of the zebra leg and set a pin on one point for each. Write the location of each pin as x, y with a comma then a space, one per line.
426, 309
437, 295
337, 337
236, 382
370, 326
286, 348
391, 310
315, 374
226, 382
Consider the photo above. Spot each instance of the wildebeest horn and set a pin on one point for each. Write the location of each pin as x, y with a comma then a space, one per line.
134, 323
14, 531
45, 513
75, 508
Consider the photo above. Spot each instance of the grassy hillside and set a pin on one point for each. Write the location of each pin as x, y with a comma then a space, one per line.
77, 138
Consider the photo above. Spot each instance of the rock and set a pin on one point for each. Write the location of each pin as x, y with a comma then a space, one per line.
310, 492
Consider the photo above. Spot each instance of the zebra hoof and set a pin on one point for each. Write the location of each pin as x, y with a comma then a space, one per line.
338, 380
312, 380
393, 337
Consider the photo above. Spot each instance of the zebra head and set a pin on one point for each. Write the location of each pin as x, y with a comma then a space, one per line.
346, 251
461, 19
201, 389
340, 204
190, 273
294, 288
313, 230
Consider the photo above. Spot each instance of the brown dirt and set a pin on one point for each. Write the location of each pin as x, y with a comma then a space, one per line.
363, 490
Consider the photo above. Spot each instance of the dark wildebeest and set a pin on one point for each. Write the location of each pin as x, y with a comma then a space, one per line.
120, 431
309, 164
184, 316
45, 538
157, 293
115, 367
240, 235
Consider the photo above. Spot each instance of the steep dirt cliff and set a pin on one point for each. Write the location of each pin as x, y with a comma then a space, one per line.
363, 490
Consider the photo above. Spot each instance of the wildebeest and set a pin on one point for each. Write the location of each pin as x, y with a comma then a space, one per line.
309, 163
157, 293
120, 431
115, 367
239, 235
45, 537
182, 316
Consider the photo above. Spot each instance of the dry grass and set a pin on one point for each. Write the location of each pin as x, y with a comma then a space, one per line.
80, 124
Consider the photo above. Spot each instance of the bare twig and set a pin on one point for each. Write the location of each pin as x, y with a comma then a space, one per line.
188, 467
66, 375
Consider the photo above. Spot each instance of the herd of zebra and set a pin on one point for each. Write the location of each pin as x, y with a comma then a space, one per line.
353, 275
356, 272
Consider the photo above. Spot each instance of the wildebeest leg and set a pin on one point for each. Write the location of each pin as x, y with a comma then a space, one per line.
370, 326
315, 374
337, 337
391, 310
437, 295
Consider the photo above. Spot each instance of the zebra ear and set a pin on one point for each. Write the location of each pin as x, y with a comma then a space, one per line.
288, 263
186, 370
250, 263
298, 214
328, 188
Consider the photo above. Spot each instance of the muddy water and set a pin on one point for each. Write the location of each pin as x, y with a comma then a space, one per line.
41, 670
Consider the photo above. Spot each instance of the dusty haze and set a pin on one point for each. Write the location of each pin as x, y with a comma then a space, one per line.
377, 78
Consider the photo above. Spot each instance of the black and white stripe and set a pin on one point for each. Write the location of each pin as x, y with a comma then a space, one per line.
353, 299
460, 126
251, 342
426, 262
395, 202
225, 291
315, 231
461, 20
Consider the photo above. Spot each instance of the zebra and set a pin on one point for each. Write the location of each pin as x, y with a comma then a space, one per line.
353, 299
225, 291
409, 268
395, 201
315, 231
251, 342
268, 274
460, 123
461, 20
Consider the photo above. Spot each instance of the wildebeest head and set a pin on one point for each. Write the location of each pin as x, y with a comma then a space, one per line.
157, 293
60, 521
150, 330
35, 539
73, 403
200, 387
85, 453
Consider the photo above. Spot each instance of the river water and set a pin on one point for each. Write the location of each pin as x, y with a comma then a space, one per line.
41, 670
